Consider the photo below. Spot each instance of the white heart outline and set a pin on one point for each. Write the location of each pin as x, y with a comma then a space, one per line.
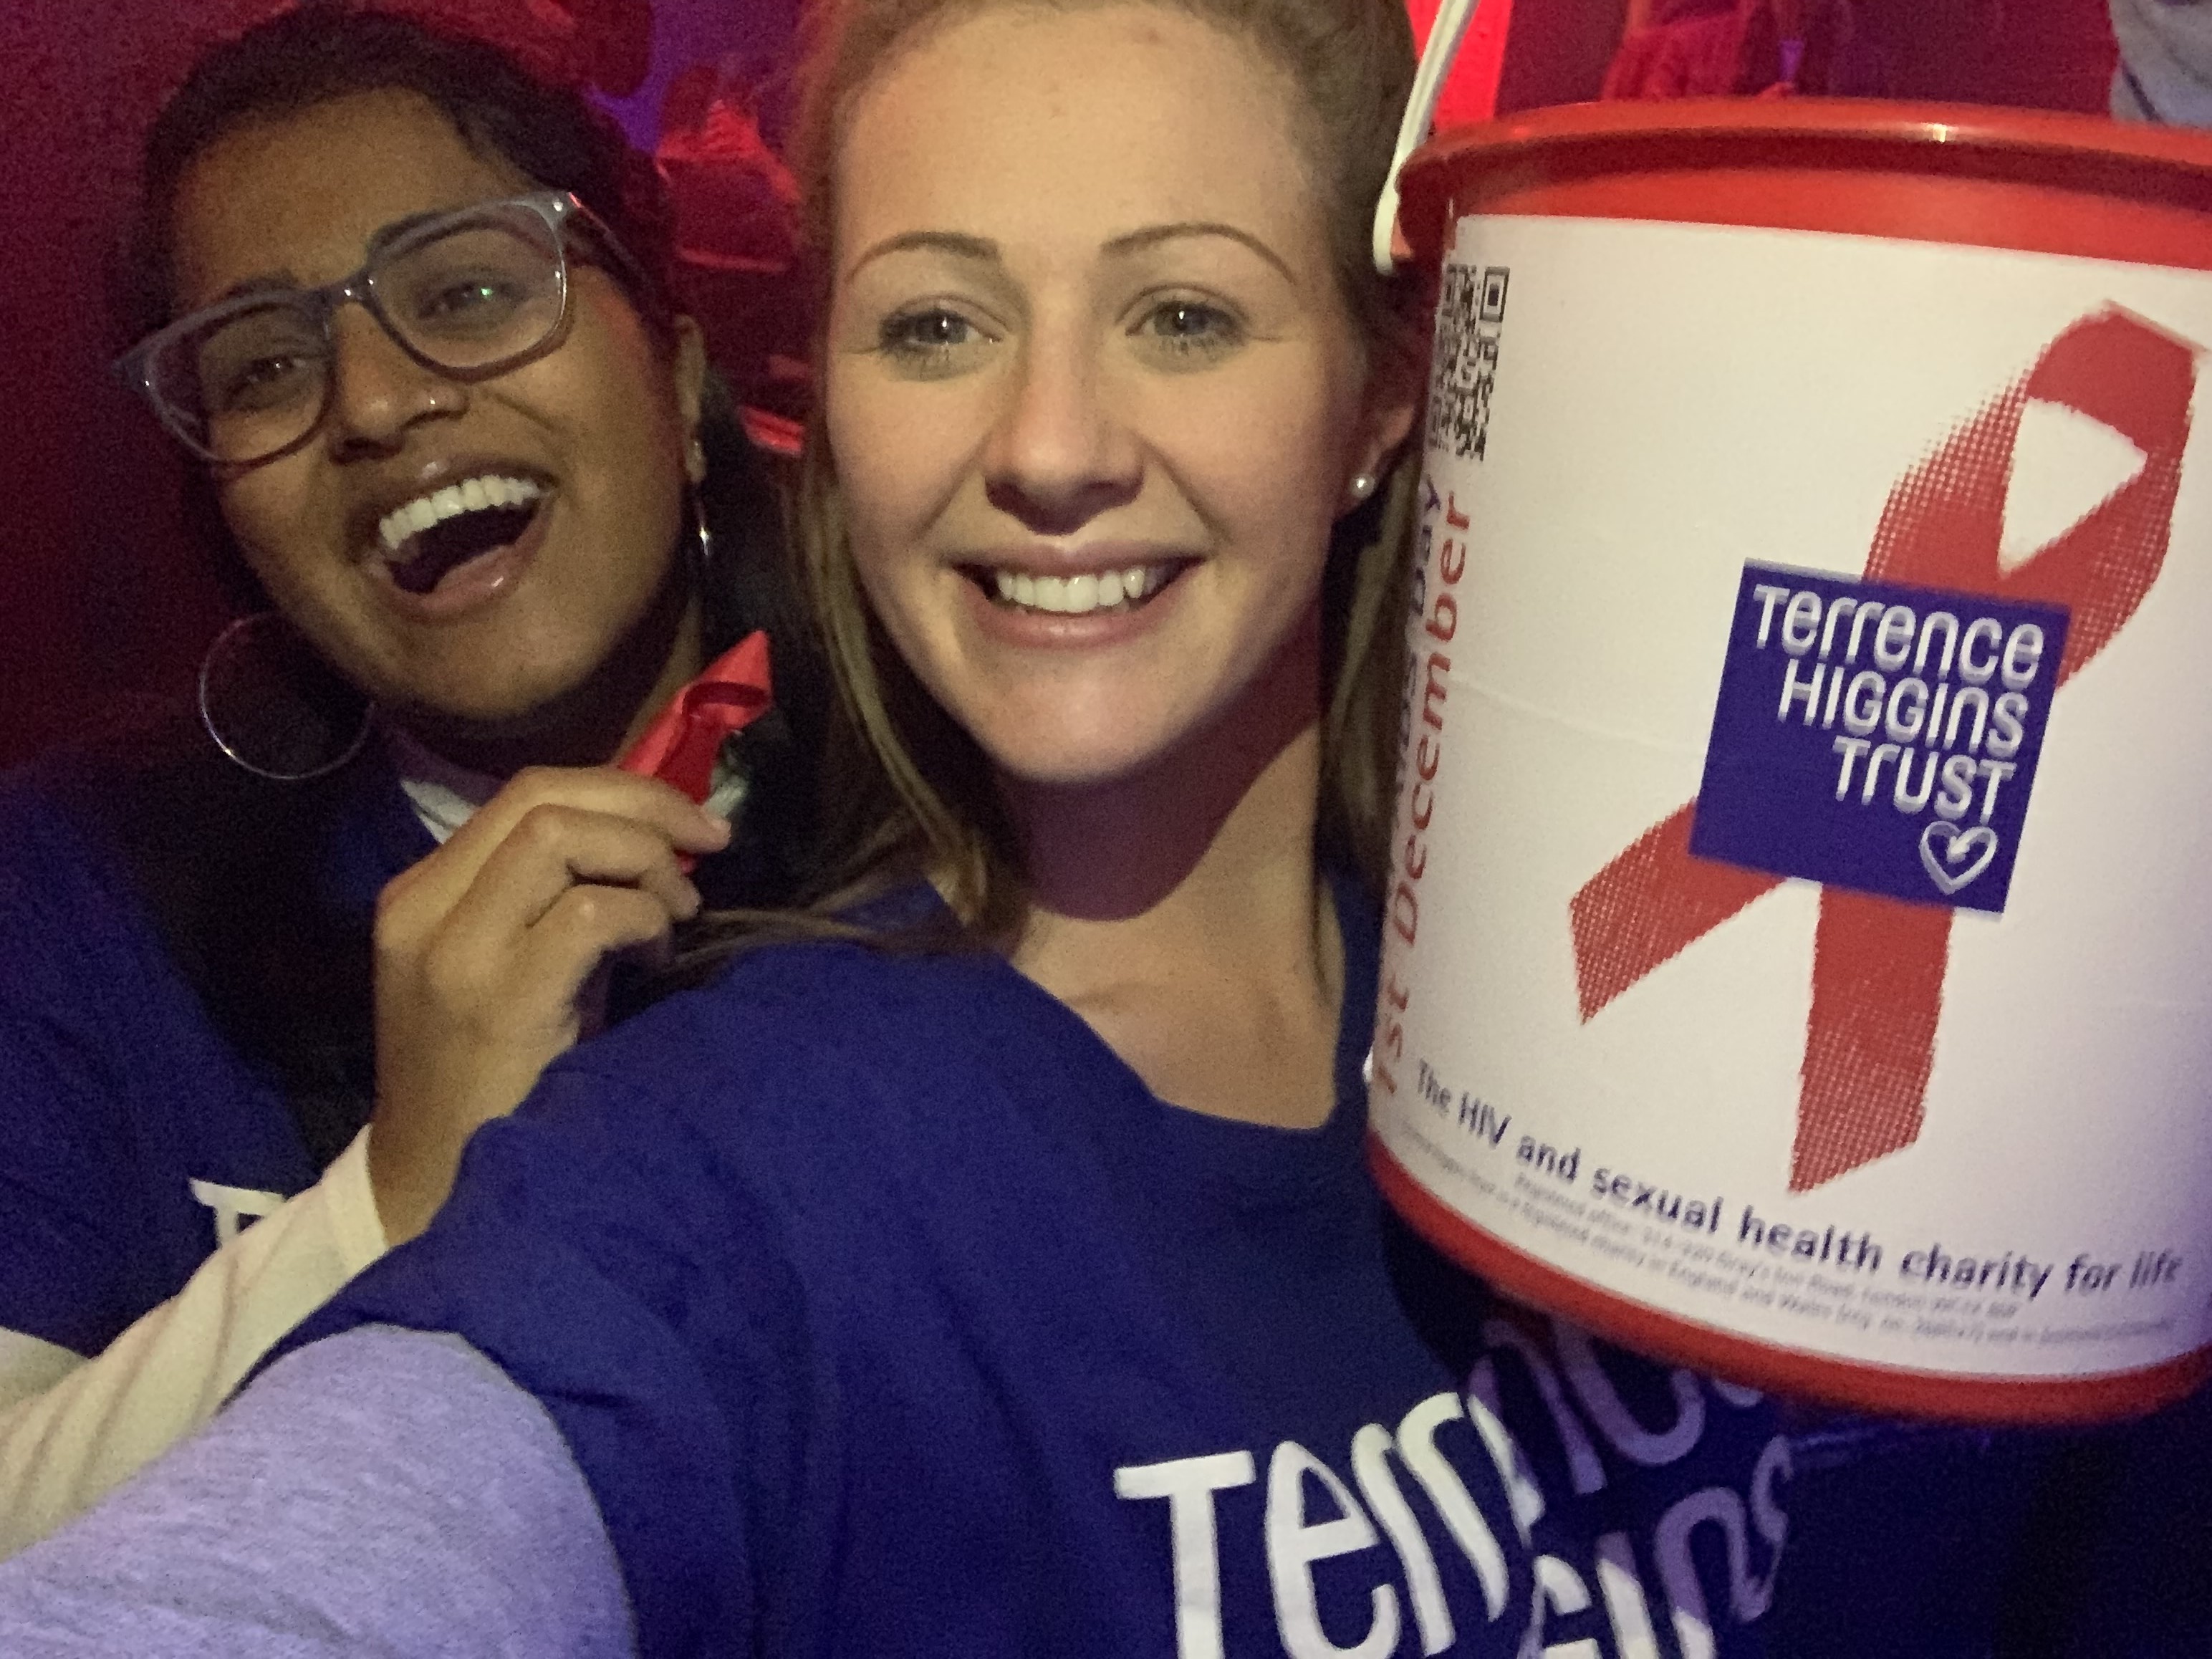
1960, 839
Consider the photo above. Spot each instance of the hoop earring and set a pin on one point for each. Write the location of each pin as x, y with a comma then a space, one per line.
274, 707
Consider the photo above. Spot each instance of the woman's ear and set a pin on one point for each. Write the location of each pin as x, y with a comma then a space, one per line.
1393, 398
690, 369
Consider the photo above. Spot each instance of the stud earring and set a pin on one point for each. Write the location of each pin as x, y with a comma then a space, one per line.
1363, 486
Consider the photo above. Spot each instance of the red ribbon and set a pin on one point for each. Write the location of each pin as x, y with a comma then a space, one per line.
1878, 963
681, 745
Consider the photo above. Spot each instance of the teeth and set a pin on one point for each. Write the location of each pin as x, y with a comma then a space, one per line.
473, 496
1078, 596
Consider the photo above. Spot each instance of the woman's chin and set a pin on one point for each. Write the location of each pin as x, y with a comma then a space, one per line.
1081, 759
1110, 731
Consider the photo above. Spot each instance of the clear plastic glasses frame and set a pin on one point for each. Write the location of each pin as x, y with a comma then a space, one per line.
466, 295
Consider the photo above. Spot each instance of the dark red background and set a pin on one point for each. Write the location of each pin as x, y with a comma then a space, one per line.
101, 603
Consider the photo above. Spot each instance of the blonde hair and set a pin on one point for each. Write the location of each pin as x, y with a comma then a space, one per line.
910, 791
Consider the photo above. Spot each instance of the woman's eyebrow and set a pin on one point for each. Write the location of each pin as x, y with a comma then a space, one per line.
1137, 241
383, 235
953, 242
284, 283
983, 249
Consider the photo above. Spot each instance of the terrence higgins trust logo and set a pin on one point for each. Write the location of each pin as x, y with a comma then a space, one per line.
1880, 736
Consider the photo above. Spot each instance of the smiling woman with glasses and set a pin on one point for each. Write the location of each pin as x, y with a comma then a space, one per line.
407, 313
467, 295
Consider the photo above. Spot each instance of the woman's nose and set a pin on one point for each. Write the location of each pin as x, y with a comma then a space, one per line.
377, 391
1060, 453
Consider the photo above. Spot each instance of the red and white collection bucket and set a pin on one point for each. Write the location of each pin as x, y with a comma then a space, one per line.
1798, 962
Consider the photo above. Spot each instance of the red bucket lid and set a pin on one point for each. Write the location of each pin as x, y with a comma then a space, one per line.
1645, 159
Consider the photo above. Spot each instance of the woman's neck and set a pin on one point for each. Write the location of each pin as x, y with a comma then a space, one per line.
1178, 911
596, 722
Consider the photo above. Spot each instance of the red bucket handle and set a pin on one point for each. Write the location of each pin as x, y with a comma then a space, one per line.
1454, 17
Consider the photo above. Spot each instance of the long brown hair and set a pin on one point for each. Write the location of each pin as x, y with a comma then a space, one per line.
912, 794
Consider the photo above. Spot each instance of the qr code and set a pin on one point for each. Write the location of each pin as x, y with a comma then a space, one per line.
1470, 319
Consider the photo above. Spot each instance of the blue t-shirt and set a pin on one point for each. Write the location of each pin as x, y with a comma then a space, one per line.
187, 1023
886, 1311
142, 1125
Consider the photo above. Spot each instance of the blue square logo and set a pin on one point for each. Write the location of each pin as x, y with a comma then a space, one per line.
1878, 736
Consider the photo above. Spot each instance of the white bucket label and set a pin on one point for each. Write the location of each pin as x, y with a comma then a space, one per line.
1802, 907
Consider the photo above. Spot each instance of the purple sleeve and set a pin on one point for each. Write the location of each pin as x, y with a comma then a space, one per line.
384, 1492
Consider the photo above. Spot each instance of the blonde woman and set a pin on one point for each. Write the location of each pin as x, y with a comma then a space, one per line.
1005, 1277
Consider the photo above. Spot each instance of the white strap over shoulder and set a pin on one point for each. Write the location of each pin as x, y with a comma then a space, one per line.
1453, 19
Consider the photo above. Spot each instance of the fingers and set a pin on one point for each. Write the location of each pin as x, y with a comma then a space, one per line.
483, 949
552, 850
584, 927
488, 940
604, 789
564, 889
438, 884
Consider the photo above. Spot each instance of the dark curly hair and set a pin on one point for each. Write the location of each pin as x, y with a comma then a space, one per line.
331, 49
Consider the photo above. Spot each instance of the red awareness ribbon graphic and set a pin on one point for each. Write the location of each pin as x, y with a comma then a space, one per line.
681, 745
1878, 963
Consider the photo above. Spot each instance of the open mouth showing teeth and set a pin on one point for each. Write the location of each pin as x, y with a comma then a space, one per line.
1077, 596
427, 538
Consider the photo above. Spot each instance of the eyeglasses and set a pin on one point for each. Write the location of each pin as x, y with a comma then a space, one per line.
467, 294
